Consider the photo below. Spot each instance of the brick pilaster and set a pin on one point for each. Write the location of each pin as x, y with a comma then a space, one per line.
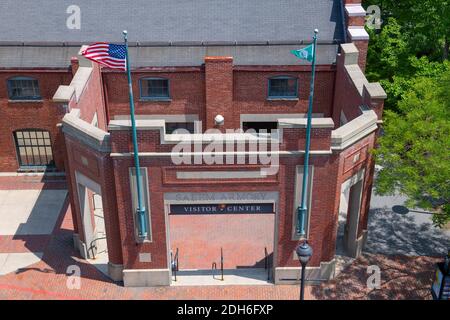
355, 16
219, 91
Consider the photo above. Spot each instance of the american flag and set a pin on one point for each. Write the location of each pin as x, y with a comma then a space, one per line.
107, 54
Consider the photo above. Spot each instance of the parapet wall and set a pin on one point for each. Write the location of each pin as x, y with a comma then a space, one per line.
85, 92
353, 90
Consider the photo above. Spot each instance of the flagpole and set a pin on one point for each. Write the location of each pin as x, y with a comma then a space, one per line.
302, 210
141, 208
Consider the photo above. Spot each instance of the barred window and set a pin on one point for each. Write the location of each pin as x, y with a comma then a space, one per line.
154, 88
283, 87
34, 148
23, 88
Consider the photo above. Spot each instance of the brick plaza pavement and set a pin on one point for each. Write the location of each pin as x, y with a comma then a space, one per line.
402, 277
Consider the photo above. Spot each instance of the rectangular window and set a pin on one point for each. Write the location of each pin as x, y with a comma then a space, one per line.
171, 127
298, 200
145, 200
258, 126
23, 89
283, 88
34, 148
154, 89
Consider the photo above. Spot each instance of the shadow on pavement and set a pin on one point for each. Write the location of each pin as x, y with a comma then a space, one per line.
394, 233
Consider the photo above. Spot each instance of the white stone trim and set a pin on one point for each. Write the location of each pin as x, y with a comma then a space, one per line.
145, 257
220, 175
222, 197
354, 130
346, 186
159, 124
357, 76
291, 275
85, 132
115, 271
94, 121
343, 119
302, 122
166, 117
32, 174
146, 277
273, 117
88, 183
65, 93
351, 53
358, 33
245, 153
355, 10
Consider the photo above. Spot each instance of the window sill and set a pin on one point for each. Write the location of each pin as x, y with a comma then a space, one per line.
282, 99
155, 100
140, 241
32, 169
26, 101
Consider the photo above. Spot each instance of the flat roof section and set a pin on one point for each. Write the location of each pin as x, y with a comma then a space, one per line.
167, 56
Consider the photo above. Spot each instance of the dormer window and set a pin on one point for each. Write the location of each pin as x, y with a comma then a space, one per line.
23, 88
154, 89
283, 87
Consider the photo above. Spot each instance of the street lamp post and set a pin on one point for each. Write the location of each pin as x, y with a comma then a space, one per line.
304, 253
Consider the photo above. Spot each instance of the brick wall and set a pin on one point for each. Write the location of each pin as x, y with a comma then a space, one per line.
251, 91
187, 92
92, 101
31, 114
322, 217
99, 168
217, 89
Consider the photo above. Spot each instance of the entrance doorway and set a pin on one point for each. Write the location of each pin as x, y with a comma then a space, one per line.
349, 214
238, 236
95, 248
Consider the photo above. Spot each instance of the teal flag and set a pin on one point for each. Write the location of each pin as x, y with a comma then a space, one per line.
306, 53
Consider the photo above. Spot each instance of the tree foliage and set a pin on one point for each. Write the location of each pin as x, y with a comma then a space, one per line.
414, 151
414, 41
409, 56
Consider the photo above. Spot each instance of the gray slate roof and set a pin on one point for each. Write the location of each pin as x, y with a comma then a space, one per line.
169, 32
171, 20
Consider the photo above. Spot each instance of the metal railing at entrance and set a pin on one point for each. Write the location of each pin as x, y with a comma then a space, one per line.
267, 263
174, 263
214, 266
93, 245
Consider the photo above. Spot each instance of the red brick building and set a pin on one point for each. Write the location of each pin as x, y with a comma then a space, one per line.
60, 112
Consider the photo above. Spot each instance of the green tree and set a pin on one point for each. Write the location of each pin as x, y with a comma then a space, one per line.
424, 23
413, 42
414, 151
393, 63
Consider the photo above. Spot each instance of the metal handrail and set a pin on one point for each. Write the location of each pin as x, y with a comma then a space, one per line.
174, 263
91, 246
214, 266
267, 263
221, 262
